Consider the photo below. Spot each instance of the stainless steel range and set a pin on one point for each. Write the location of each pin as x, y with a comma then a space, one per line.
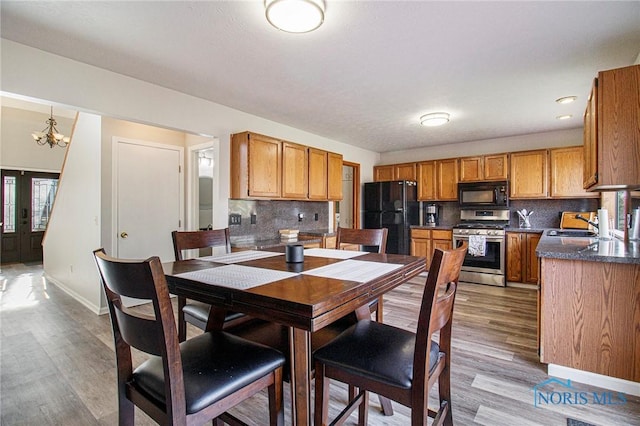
485, 229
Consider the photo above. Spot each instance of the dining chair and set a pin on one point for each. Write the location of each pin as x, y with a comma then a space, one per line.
364, 239
181, 383
191, 311
395, 363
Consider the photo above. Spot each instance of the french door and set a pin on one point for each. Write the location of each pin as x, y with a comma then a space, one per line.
27, 199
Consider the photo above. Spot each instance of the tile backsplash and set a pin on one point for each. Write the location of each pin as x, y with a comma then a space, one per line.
271, 216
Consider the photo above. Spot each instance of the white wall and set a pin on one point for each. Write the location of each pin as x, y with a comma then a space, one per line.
18, 150
571, 137
74, 229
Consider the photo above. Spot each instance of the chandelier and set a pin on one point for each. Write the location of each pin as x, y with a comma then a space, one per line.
50, 135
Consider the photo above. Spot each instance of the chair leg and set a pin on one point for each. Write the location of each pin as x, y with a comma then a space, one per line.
321, 409
363, 410
379, 311
182, 324
126, 411
276, 404
444, 390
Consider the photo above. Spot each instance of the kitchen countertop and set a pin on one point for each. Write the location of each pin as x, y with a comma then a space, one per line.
441, 227
588, 249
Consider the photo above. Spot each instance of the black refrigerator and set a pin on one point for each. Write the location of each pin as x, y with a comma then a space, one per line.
392, 205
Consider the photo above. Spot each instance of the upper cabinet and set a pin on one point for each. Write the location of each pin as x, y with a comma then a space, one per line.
334, 172
426, 171
264, 167
437, 180
317, 174
447, 179
295, 173
612, 131
482, 168
405, 171
529, 174
256, 162
566, 173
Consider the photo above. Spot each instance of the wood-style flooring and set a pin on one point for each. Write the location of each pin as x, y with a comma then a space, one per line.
58, 366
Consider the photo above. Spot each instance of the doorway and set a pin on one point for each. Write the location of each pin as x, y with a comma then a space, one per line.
347, 211
27, 199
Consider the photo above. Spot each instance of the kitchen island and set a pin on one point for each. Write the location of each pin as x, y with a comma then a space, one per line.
589, 305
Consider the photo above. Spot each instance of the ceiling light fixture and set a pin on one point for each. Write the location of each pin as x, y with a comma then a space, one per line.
50, 135
566, 99
434, 119
564, 117
295, 16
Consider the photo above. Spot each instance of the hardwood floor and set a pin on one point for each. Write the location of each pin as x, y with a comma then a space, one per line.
58, 366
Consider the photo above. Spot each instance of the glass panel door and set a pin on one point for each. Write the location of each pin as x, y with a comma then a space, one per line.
27, 200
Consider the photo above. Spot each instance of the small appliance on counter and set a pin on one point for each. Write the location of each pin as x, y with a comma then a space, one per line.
431, 215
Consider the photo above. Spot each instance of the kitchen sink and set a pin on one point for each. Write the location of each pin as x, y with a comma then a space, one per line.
570, 233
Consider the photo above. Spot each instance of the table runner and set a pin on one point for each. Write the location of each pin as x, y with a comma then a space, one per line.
353, 270
237, 276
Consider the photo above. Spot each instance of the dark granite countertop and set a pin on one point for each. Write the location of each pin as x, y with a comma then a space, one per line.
441, 227
318, 233
525, 230
588, 249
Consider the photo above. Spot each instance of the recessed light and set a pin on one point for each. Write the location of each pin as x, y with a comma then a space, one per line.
564, 117
434, 119
566, 99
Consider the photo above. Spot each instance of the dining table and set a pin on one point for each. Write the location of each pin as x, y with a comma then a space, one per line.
304, 296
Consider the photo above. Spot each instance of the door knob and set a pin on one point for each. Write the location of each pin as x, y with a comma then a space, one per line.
123, 235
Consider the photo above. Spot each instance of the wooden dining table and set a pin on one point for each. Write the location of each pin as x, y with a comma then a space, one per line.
305, 297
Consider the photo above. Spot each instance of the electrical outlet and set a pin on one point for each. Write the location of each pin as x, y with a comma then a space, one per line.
300, 217
253, 218
235, 219
315, 217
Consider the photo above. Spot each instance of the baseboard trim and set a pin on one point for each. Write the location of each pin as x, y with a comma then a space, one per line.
612, 383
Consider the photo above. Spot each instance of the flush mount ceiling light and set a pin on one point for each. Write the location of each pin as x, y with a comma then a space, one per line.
564, 117
434, 119
566, 99
295, 16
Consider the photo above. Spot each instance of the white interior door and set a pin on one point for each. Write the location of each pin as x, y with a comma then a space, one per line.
148, 193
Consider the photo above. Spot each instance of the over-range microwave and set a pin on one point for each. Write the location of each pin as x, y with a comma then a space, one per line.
483, 194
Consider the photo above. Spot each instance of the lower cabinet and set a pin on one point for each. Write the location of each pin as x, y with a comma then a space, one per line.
425, 241
522, 263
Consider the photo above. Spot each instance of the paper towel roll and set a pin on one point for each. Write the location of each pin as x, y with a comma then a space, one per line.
603, 223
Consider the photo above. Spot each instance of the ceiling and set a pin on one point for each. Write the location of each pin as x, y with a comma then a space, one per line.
368, 73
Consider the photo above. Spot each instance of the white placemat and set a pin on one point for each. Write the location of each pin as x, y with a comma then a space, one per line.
333, 253
354, 270
237, 276
240, 256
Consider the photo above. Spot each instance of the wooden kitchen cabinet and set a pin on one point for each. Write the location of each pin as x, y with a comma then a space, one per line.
334, 175
612, 134
483, 168
404, 171
426, 174
447, 180
425, 241
529, 173
255, 166
566, 180
522, 262
318, 179
295, 170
